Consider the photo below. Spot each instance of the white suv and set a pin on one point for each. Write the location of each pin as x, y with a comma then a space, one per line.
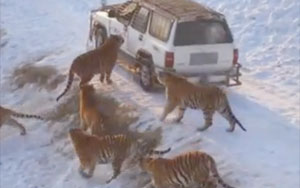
178, 35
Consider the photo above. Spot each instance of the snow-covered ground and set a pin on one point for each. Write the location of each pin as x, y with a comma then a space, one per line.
54, 32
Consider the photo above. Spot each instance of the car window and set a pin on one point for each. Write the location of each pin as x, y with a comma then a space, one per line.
126, 12
160, 27
202, 32
140, 20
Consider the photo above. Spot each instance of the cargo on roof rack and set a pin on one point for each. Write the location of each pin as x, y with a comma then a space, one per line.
183, 10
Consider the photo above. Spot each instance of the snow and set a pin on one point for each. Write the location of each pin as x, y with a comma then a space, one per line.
54, 32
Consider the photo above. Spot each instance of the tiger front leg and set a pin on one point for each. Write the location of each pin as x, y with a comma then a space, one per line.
90, 166
116, 164
88, 174
169, 107
108, 74
83, 124
208, 116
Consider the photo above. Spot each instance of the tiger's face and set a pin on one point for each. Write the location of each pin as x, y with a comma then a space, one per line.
117, 38
144, 163
166, 77
77, 135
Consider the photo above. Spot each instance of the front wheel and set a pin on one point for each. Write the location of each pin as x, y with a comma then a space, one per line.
146, 81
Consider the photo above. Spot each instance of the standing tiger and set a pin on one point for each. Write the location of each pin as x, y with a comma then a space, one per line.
189, 169
100, 60
90, 115
92, 149
6, 117
181, 93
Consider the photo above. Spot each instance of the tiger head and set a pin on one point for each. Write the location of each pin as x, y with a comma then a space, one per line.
78, 136
150, 164
117, 39
166, 78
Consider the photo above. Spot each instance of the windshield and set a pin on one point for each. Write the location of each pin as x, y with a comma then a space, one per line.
202, 32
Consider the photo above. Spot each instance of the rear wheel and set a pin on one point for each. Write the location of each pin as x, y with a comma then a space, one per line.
146, 80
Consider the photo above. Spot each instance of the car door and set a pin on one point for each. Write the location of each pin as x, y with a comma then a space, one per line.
136, 30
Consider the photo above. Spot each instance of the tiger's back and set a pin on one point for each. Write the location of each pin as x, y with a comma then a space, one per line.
183, 94
100, 60
114, 149
193, 168
92, 149
90, 115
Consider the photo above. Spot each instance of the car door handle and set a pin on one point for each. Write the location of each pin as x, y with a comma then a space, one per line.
140, 37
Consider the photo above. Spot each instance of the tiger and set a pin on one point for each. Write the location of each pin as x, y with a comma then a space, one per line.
100, 60
90, 116
189, 169
6, 117
92, 149
184, 94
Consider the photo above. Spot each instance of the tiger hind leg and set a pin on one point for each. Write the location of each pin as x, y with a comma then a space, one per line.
116, 164
227, 114
85, 79
169, 107
18, 125
181, 111
208, 116
108, 79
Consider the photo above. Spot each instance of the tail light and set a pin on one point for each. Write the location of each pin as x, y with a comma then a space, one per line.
169, 60
235, 56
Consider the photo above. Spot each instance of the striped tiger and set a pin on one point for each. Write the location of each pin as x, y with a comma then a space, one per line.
90, 115
114, 149
6, 117
183, 94
189, 169
100, 60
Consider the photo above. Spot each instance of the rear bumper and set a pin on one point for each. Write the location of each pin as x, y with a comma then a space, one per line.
229, 78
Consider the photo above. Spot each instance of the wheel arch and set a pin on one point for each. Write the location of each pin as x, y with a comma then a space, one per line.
144, 57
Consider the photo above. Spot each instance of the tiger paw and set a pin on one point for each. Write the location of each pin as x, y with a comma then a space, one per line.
203, 128
177, 121
85, 175
23, 133
230, 130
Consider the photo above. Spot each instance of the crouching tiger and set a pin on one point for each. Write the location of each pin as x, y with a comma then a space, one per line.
181, 93
6, 117
92, 149
190, 169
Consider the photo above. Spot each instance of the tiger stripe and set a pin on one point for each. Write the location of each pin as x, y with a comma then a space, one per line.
184, 94
183, 171
92, 149
21, 115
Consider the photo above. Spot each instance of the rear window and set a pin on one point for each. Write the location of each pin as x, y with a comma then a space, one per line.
160, 27
202, 32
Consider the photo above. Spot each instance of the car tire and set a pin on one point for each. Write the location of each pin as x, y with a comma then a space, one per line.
100, 36
146, 80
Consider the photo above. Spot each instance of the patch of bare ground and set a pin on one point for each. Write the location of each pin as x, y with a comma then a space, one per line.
44, 76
